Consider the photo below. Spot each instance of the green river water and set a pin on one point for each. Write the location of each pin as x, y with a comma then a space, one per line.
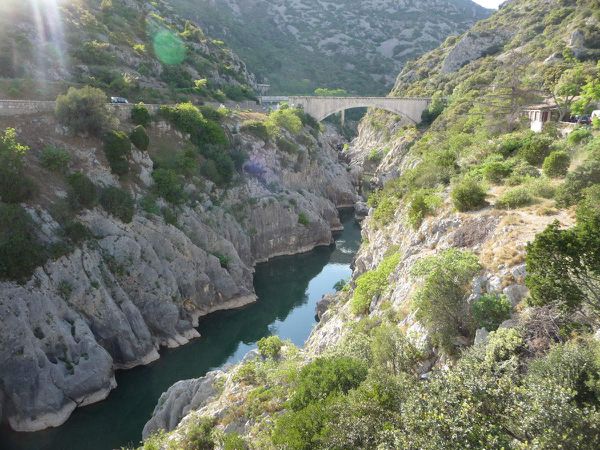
288, 289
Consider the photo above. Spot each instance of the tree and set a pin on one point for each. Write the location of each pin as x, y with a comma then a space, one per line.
440, 302
15, 187
563, 266
564, 82
84, 111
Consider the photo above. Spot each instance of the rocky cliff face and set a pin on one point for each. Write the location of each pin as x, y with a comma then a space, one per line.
113, 301
364, 43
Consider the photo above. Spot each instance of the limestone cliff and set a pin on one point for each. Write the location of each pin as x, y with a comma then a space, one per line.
112, 301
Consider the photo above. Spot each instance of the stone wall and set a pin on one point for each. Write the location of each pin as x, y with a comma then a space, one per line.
26, 107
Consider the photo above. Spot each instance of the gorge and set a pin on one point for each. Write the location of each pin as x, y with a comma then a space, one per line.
146, 250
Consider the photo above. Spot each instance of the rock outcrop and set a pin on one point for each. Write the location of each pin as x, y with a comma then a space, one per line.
473, 46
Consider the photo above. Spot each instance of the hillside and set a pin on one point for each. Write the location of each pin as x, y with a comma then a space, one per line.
471, 319
132, 48
356, 45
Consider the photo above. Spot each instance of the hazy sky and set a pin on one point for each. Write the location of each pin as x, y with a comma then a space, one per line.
489, 3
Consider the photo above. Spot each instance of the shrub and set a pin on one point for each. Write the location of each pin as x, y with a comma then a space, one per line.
440, 301
20, 251
563, 266
256, 128
169, 185
269, 347
557, 164
385, 210
55, 159
199, 435
579, 179
76, 232
287, 146
373, 283
422, 203
515, 198
286, 119
496, 171
301, 430
140, 115
219, 166
117, 148
118, 202
188, 119
303, 219
139, 138
82, 192
15, 186
324, 377
490, 310
540, 187
468, 195
148, 204
84, 110
579, 135
535, 149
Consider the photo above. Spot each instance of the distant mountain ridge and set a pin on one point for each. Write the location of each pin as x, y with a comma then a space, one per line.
358, 45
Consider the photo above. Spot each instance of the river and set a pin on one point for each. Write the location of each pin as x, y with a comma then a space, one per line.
288, 289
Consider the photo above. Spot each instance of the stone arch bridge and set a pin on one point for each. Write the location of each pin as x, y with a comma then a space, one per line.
322, 107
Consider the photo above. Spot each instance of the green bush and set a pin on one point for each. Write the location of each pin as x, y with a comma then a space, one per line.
490, 310
76, 232
15, 186
139, 138
303, 219
187, 118
579, 135
468, 195
577, 181
55, 159
540, 187
117, 148
287, 146
199, 435
256, 128
82, 192
324, 377
219, 166
118, 202
148, 204
385, 210
20, 251
515, 198
373, 283
302, 430
84, 110
535, 149
269, 347
563, 265
422, 203
286, 119
440, 301
140, 115
496, 171
557, 164
169, 185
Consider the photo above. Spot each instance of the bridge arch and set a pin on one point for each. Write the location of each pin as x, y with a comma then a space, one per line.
322, 107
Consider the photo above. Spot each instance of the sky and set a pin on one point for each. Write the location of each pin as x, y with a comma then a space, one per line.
489, 3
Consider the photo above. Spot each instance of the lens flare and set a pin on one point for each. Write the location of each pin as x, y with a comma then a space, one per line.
50, 42
168, 48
